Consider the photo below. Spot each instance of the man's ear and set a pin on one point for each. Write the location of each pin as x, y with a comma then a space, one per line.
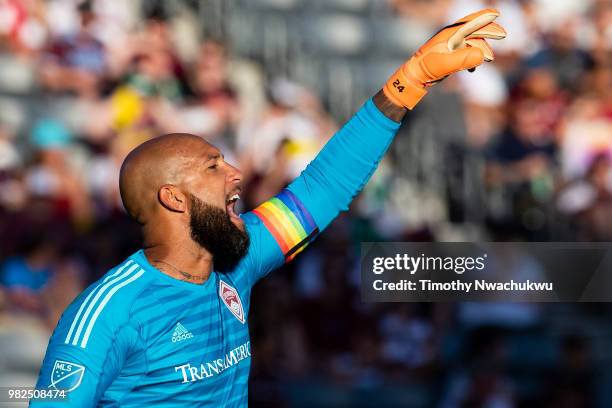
170, 197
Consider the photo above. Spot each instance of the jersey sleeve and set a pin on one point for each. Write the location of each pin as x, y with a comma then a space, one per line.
86, 351
283, 226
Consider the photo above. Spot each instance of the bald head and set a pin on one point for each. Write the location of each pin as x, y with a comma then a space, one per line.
183, 192
157, 162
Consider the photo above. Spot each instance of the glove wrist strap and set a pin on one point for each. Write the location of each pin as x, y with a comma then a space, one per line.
403, 91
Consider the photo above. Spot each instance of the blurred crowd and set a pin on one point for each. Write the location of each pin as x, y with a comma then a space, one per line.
523, 152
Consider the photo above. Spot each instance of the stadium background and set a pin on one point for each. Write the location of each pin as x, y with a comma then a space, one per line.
519, 150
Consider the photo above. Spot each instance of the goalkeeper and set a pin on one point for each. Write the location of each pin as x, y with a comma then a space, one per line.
168, 326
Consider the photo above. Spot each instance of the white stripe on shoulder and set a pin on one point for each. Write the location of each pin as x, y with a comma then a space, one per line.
76, 318
103, 304
103, 289
118, 271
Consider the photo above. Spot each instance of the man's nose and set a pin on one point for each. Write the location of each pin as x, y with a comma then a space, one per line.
233, 174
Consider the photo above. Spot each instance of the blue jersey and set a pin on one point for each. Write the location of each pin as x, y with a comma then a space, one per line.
138, 337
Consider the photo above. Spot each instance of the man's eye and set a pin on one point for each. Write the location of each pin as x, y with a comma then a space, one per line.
212, 167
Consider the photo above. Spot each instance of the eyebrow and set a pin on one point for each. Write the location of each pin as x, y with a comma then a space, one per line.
214, 156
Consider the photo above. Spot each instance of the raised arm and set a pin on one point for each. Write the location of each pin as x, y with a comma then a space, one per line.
282, 227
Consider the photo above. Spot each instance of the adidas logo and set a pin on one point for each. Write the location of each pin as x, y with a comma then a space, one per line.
181, 333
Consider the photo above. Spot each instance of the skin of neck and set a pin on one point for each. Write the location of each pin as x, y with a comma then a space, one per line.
169, 247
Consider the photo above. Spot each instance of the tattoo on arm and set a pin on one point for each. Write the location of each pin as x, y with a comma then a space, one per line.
388, 108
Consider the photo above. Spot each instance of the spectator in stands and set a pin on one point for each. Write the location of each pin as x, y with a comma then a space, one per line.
77, 61
588, 200
26, 276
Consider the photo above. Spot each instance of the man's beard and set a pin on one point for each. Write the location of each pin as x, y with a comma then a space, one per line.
212, 229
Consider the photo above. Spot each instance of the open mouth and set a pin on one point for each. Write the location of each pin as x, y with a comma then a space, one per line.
230, 204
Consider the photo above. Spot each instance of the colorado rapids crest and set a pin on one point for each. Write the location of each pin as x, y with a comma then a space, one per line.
231, 299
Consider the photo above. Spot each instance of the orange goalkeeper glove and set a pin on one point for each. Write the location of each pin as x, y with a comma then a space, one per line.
456, 47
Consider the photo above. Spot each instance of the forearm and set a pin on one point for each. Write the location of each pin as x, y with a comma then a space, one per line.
345, 164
